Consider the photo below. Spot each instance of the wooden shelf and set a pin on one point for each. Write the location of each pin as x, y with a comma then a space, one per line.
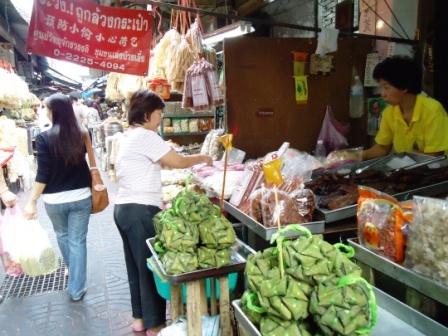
167, 135
195, 115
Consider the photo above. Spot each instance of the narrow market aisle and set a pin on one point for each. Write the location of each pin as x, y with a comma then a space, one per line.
105, 309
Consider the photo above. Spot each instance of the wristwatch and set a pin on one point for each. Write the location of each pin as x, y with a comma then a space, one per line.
34, 199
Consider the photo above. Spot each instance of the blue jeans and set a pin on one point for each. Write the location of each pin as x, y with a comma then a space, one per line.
134, 222
70, 223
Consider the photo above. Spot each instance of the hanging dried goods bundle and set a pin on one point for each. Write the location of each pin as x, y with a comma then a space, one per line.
213, 88
194, 37
112, 91
187, 97
182, 59
128, 84
201, 90
209, 54
161, 52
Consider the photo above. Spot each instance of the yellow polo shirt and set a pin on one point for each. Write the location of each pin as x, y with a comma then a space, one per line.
427, 132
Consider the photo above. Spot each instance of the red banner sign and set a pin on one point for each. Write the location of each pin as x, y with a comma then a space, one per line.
99, 37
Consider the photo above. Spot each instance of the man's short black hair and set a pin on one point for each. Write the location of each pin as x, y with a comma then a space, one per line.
74, 96
401, 72
88, 102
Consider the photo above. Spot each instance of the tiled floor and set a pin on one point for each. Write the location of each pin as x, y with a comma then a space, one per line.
105, 309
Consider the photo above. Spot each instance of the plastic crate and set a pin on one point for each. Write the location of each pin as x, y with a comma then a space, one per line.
163, 288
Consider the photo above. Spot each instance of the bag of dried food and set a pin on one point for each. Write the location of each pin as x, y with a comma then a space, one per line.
212, 146
38, 256
380, 220
427, 251
284, 207
342, 157
12, 232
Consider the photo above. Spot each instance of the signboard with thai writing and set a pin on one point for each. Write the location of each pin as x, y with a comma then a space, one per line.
99, 37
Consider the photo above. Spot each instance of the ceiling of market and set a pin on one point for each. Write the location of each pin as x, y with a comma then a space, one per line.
14, 28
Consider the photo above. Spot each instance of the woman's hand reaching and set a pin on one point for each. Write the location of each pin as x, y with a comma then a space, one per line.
208, 160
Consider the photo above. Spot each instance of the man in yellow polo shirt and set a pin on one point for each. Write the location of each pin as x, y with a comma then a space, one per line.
411, 122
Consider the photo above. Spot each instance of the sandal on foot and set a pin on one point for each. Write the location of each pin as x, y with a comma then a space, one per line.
138, 328
154, 333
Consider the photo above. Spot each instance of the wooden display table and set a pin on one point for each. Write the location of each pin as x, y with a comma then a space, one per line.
197, 304
196, 295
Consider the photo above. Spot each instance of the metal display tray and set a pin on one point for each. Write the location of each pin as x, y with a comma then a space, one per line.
394, 318
329, 216
350, 211
239, 253
266, 233
429, 287
377, 163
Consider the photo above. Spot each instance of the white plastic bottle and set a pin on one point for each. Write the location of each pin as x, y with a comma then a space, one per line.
320, 152
356, 98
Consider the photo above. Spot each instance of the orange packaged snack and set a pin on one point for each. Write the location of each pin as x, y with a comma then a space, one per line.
408, 208
380, 220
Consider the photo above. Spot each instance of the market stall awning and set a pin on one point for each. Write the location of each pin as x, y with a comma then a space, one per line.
55, 75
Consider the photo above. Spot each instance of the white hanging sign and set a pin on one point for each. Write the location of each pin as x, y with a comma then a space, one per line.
367, 17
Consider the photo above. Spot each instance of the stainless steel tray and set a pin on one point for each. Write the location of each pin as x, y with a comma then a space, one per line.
264, 232
382, 165
239, 254
406, 276
350, 211
344, 167
394, 318
329, 216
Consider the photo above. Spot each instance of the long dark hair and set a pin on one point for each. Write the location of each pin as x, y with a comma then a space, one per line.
66, 137
143, 103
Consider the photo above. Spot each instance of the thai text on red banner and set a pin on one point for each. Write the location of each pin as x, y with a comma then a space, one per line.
99, 37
